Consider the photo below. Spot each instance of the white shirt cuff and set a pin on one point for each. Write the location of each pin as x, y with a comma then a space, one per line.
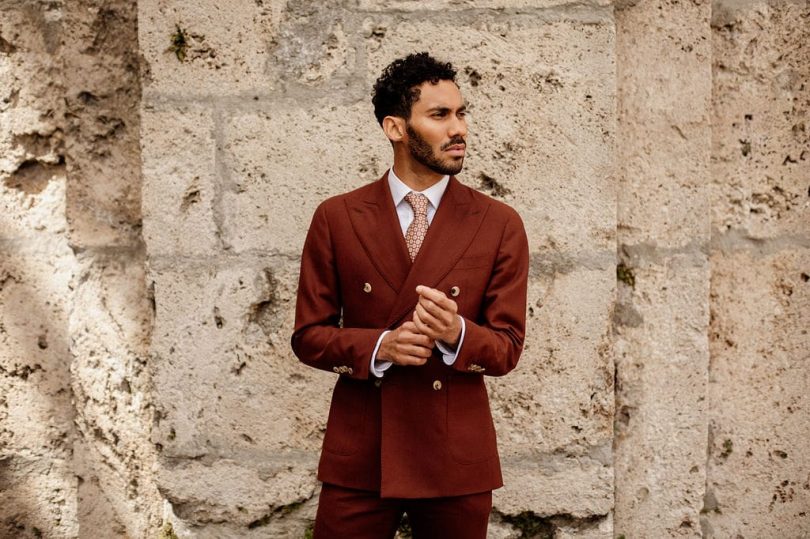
378, 366
449, 356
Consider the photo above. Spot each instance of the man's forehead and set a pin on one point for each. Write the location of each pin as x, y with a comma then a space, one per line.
444, 94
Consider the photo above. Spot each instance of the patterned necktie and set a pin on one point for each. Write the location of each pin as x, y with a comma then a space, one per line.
418, 227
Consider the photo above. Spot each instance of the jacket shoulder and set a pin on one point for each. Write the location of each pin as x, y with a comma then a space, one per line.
337, 202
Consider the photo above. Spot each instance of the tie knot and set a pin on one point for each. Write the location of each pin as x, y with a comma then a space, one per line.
418, 202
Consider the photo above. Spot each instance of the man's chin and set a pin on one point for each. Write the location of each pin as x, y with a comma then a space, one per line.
453, 167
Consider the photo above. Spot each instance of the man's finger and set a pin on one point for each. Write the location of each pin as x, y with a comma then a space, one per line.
428, 318
436, 296
435, 310
424, 328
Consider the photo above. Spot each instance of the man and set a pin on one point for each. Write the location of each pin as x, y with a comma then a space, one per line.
411, 289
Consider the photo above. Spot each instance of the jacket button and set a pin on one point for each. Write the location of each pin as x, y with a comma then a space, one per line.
367, 288
377, 382
336, 369
455, 291
437, 384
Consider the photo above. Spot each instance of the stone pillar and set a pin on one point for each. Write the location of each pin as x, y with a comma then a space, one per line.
758, 463
37, 482
662, 312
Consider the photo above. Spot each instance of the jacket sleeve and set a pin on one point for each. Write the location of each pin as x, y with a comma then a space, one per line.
317, 339
493, 343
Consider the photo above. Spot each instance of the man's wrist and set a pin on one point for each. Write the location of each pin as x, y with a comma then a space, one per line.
452, 340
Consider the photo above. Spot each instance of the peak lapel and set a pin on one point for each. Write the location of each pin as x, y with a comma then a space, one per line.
453, 228
375, 222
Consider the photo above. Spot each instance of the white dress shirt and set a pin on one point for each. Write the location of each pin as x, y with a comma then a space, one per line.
405, 214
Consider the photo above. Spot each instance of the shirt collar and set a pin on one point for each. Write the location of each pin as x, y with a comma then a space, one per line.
433, 193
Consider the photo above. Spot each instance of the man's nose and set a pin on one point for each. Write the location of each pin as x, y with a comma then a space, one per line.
457, 127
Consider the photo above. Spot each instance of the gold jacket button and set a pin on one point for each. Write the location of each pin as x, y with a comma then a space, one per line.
349, 370
336, 369
377, 382
367, 288
455, 291
437, 384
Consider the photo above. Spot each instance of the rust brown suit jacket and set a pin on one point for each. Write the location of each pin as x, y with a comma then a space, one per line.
422, 431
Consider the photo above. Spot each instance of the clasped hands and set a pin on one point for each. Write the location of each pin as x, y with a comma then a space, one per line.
434, 319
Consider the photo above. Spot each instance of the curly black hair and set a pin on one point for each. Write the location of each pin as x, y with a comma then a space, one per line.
395, 91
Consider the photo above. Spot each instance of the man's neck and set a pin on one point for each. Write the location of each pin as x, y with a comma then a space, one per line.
417, 179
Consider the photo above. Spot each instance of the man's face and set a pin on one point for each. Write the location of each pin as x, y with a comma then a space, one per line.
437, 128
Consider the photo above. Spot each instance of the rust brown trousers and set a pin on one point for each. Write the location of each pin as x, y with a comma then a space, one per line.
426, 431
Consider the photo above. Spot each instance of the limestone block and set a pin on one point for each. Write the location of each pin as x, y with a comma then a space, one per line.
283, 161
96, 515
661, 352
109, 323
760, 347
32, 207
226, 490
581, 487
102, 92
34, 358
179, 175
760, 130
32, 168
452, 5
37, 497
226, 380
541, 98
223, 45
664, 81
560, 396
316, 47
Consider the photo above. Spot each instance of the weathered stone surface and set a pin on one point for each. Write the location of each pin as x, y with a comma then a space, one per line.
661, 313
32, 168
560, 396
37, 497
664, 113
207, 48
580, 486
102, 91
661, 409
180, 195
450, 5
223, 330
110, 323
760, 126
228, 387
281, 162
34, 293
542, 115
757, 466
225, 490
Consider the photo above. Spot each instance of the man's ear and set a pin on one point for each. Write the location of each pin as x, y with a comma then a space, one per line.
394, 128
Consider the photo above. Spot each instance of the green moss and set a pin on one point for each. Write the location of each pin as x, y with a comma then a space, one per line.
625, 275
309, 532
179, 44
167, 532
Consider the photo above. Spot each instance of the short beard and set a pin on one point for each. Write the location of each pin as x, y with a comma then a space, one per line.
423, 153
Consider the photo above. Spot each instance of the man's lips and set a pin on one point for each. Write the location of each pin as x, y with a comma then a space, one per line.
456, 149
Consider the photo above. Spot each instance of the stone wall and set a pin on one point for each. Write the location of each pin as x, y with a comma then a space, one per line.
159, 165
